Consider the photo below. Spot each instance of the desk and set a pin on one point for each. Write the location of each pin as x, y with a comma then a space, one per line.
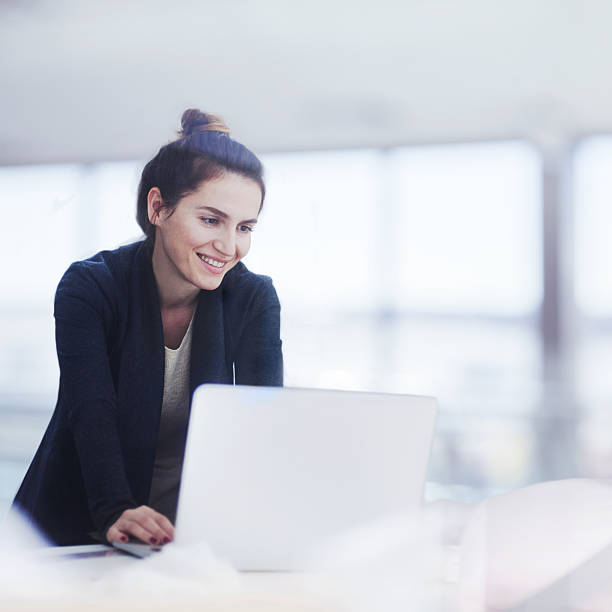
397, 565
100, 578
543, 548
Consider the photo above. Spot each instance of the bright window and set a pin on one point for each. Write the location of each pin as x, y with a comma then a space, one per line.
38, 232
319, 228
593, 220
465, 222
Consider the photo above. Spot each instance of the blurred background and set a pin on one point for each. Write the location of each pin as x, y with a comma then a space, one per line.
439, 183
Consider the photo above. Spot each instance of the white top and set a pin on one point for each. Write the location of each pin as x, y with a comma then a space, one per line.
172, 429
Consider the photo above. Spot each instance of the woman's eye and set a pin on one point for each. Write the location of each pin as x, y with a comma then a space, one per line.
245, 228
209, 220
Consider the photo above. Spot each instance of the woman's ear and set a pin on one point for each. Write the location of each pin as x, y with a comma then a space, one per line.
155, 204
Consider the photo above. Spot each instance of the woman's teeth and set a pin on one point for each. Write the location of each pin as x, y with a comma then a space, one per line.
212, 262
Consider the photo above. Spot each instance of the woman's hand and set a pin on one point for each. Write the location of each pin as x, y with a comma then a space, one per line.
143, 523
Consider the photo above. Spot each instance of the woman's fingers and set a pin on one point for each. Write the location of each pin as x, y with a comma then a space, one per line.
115, 535
143, 523
166, 526
150, 521
142, 533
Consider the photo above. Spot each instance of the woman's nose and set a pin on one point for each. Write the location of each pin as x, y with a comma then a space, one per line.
226, 243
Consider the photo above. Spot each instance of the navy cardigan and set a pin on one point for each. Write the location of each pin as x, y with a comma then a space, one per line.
96, 457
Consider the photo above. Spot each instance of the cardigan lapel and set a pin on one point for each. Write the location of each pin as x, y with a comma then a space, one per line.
208, 347
142, 384
152, 337
208, 355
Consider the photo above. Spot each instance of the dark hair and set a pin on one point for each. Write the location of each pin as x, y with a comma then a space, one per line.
203, 152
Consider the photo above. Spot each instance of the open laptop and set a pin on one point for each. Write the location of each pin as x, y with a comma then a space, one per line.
271, 474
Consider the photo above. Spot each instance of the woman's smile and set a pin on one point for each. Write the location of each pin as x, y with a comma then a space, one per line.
214, 265
214, 224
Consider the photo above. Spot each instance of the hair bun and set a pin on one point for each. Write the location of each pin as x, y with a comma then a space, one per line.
194, 121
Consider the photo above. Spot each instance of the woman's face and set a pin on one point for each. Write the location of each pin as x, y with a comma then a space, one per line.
207, 233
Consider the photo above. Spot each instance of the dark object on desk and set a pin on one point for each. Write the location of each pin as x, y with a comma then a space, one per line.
137, 549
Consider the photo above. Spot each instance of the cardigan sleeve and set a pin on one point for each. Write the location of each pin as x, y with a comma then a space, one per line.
83, 316
258, 358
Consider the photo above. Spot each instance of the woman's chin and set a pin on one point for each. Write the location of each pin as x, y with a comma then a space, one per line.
210, 284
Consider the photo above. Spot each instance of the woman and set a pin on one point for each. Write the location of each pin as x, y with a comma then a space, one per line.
139, 328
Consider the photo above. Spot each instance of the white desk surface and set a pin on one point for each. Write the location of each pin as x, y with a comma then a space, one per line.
514, 549
102, 578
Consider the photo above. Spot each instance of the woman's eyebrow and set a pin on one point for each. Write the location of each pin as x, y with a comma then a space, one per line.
220, 213
213, 210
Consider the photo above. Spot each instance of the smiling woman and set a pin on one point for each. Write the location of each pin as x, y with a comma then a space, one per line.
139, 328
200, 241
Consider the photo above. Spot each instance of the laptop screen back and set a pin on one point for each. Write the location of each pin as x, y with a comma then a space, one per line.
271, 473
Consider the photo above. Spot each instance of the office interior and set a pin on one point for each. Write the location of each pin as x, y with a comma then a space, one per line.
439, 181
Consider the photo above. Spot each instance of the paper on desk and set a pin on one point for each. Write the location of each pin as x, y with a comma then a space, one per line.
28, 576
518, 545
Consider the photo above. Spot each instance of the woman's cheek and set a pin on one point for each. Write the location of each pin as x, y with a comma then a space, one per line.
247, 245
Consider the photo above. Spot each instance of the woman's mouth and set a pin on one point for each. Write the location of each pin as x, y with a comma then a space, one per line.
214, 265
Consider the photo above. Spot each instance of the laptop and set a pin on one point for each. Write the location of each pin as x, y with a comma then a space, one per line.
271, 474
